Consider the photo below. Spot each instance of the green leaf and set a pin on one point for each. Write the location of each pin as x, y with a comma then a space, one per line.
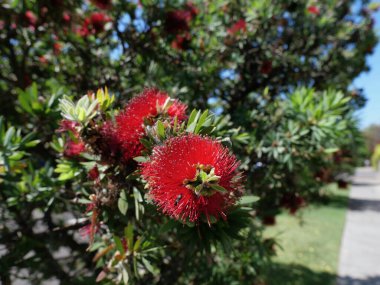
128, 234
160, 129
331, 150
125, 276
248, 200
66, 176
8, 136
32, 143
81, 114
141, 159
23, 99
17, 155
119, 244
138, 199
122, 203
137, 244
192, 122
218, 188
146, 143
14, 3
201, 121
149, 266
191, 117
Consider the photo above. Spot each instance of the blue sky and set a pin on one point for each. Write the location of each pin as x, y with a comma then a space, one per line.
370, 82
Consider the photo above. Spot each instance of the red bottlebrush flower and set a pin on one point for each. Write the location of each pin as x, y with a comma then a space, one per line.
73, 149
323, 175
181, 42
26, 81
313, 10
109, 145
192, 9
85, 231
98, 20
292, 201
102, 4
239, 26
30, 18
94, 24
125, 244
93, 174
266, 67
66, 18
42, 59
178, 21
342, 184
57, 48
43, 12
269, 220
184, 174
94, 226
129, 124
369, 49
67, 125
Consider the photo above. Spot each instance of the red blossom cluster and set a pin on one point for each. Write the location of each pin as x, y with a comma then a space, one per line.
94, 24
269, 220
266, 67
292, 201
239, 26
57, 48
66, 18
102, 4
190, 178
30, 19
93, 174
342, 184
177, 23
181, 42
177, 178
124, 136
313, 10
74, 146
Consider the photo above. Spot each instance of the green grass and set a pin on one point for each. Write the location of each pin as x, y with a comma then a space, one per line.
310, 243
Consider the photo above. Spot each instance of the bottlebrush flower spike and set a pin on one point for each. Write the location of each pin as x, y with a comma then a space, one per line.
191, 177
178, 21
181, 42
313, 10
266, 67
30, 19
102, 4
239, 26
67, 125
144, 107
94, 24
73, 149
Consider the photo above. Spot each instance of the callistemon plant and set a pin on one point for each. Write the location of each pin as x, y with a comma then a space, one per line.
152, 157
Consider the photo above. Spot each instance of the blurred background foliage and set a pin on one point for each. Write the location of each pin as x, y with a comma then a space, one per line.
278, 73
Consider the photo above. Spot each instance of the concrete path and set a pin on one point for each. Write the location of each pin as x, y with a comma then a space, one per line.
360, 249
